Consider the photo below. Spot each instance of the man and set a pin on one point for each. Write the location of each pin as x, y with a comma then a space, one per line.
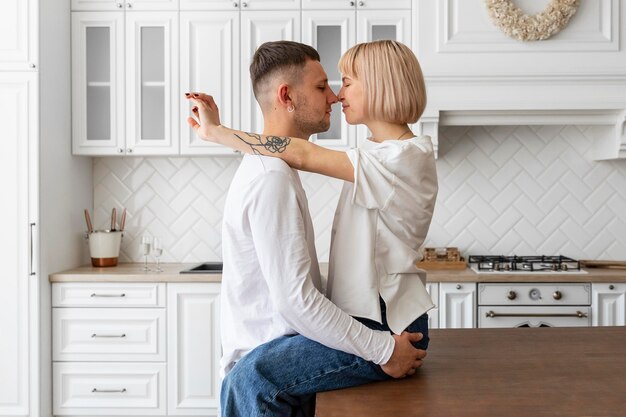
282, 339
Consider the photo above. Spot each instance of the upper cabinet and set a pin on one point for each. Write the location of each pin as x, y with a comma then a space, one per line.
133, 60
125, 83
18, 35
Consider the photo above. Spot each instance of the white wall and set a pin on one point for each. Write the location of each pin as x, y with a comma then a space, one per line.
503, 190
65, 181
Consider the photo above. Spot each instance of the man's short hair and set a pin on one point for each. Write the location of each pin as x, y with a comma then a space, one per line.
279, 56
392, 80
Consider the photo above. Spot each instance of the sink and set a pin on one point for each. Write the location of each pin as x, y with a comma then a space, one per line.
205, 268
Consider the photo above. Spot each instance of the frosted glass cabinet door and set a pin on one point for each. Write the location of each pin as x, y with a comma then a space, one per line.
18, 35
152, 83
210, 64
258, 27
331, 34
97, 83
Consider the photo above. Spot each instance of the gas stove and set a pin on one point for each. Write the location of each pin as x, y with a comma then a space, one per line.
524, 264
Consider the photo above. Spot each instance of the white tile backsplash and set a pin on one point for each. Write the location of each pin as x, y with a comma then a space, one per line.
503, 190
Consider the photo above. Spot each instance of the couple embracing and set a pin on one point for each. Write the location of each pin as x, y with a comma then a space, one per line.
284, 336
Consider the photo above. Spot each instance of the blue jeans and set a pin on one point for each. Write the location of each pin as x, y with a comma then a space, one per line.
281, 377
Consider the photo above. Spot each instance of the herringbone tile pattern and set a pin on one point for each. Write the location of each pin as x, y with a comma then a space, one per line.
503, 190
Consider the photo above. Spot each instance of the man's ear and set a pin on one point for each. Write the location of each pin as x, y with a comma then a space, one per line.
284, 99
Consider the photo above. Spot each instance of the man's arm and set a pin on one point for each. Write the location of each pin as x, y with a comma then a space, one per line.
278, 232
297, 152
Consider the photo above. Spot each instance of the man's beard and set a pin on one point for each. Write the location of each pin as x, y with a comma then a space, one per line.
305, 122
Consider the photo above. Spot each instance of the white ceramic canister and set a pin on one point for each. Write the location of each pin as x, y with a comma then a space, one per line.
104, 247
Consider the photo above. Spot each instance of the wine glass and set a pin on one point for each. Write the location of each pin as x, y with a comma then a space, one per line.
144, 247
157, 251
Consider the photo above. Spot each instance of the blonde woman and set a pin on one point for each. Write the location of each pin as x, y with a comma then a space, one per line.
383, 215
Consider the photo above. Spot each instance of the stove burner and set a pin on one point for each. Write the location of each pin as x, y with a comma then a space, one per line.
524, 263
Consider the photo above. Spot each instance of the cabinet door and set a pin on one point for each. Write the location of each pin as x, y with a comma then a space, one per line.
194, 348
18, 35
18, 242
608, 304
258, 27
152, 83
97, 83
209, 62
331, 34
433, 315
457, 305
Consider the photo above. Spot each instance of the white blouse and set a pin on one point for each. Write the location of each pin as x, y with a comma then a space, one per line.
381, 221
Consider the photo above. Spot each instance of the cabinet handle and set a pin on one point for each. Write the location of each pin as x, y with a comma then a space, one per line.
611, 287
32, 250
130, 150
33, 65
119, 5
108, 390
458, 286
351, 4
361, 3
235, 4
107, 295
579, 314
120, 150
109, 335
128, 5
244, 4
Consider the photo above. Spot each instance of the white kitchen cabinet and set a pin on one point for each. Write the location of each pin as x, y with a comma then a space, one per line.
258, 27
209, 63
125, 83
19, 243
109, 349
433, 315
18, 35
110, 5
194, 348
608, 304
356, 4
239, 5
457, 305
332, 34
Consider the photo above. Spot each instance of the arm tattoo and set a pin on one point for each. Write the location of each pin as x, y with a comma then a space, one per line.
273, 144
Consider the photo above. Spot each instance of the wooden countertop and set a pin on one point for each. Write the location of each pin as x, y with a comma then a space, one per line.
501, 372
132, 272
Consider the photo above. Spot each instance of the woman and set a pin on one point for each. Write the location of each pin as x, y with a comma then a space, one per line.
389, 193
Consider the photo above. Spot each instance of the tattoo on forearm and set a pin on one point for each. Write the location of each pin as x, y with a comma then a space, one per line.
273, 144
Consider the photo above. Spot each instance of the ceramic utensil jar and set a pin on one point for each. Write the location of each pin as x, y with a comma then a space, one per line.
104, 247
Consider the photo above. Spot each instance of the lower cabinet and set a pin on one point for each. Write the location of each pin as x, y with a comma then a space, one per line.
457, 305
145, 349
608, 304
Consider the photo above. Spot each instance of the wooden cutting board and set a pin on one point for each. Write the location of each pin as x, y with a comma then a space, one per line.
602, 264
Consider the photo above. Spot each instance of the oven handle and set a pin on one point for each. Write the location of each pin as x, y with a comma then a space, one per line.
579, 314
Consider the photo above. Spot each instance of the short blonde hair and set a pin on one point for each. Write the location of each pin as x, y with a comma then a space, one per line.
392, 80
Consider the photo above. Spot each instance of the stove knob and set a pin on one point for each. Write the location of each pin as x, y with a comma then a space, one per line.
511, 295
557, 295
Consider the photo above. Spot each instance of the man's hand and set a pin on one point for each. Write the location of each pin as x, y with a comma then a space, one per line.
405, 358
207, 113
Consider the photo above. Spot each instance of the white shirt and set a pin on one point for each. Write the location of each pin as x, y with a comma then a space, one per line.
271, 281
381, 221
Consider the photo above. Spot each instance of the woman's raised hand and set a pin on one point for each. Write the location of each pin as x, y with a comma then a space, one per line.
207, 114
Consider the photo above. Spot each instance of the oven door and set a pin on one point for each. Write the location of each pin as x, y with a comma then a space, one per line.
531, 316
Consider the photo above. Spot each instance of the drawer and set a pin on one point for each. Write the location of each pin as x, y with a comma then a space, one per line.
108, 294
104, 334
108, 389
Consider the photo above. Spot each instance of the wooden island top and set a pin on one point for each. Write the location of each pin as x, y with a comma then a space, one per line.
501, 372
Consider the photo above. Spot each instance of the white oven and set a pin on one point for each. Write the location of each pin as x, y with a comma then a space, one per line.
534, 305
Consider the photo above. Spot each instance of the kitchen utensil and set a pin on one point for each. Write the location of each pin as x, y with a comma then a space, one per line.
113, 219
88, 220
123, 220
104, 247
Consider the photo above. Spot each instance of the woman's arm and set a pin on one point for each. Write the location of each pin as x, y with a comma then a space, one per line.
297, 152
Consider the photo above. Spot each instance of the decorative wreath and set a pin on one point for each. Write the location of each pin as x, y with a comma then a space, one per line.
515, 24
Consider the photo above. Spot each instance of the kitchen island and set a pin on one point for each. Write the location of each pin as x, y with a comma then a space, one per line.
501, 372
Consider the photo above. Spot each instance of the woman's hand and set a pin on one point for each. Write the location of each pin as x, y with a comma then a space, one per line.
207, 114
